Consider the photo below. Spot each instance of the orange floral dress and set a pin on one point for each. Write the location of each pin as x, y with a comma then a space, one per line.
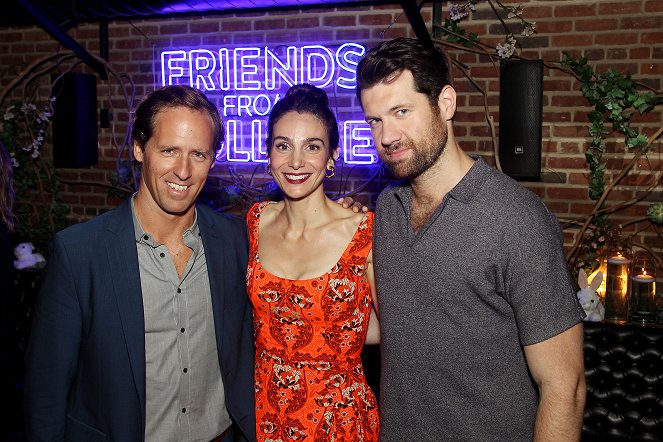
309, 379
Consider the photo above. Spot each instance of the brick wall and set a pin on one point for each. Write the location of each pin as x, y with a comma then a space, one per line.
623, 35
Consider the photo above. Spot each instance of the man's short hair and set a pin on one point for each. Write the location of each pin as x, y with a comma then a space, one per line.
169, 97
389, 59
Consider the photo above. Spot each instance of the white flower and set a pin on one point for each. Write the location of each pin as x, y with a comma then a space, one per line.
506, 50
15, 163
456, 13
28, 107
529, 29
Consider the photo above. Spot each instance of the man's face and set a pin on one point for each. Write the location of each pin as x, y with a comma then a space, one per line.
176, 161
409, 133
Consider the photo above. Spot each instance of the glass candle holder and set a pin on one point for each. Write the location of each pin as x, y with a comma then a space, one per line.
616, 287
642, 293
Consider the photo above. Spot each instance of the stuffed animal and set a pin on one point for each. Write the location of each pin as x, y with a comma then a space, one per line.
589, 299
26, 258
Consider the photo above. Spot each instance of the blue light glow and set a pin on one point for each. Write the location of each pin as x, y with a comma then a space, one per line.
247, 81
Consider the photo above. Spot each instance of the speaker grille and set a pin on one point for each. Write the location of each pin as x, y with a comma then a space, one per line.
521, 109
75, 121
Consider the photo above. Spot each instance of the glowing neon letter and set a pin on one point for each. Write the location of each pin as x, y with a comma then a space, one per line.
246, 69
224, 69
347, 57
357, 140
317, 65
202, 65
228, 104
275, 67
244, 102
262, 109
235, 152
259, 150
172, 67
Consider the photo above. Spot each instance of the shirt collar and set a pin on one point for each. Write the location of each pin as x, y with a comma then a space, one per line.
464, 191
142, 236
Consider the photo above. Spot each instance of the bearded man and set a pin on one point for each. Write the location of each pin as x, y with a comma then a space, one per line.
482, 333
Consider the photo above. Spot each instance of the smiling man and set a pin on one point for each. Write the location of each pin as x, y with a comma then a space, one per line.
142, 329
481, 329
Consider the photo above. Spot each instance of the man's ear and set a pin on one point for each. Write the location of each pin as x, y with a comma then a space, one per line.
447, 102
138, 152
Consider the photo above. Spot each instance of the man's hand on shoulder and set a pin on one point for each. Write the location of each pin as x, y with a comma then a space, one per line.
349, 203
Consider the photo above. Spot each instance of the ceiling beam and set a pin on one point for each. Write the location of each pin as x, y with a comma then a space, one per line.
57, 32
413, 13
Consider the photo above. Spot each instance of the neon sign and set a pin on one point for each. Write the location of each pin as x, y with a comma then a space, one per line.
246, 82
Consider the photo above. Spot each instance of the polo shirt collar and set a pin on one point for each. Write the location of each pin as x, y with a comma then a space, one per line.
464, 191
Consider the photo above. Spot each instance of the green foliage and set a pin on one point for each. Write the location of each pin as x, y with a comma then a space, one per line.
615, 99
39, 208
655, 213
456, 34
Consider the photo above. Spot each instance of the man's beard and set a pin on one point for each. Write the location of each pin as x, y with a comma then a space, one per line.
425, 152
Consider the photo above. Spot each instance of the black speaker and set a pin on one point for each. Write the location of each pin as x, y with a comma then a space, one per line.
75, 120
521, 114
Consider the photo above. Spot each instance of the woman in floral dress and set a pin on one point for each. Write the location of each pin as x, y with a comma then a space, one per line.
310, 280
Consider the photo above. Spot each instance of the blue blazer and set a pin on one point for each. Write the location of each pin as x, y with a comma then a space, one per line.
85, 362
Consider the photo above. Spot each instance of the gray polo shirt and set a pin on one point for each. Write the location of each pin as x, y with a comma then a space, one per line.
185, 395
458, 301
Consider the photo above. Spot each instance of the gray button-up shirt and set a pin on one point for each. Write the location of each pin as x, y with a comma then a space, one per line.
185, 395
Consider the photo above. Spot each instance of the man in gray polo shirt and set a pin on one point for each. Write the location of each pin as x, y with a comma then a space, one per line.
481, 329
142, 327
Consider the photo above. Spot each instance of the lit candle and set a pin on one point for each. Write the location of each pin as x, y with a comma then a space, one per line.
643, 298
616, 289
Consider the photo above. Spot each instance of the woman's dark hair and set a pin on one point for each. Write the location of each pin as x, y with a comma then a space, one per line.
387, 60
169, 97
7, 194
305, 99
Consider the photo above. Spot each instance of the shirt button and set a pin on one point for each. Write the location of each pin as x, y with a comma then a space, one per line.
145, 237
183, 410
162, 254
179, 290
182, 330
185, 370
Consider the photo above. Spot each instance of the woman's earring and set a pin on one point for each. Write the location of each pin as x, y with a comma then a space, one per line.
269, 168
331, 169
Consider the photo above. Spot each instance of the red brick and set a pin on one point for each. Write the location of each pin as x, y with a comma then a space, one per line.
575, 11
571, 40
596, 25
651, 38
235, 26
639, 23
615, 39
653, 6
339, 20
567, 193
566, 163
206, 27
174, 29
619, 8
553, 27
269, 24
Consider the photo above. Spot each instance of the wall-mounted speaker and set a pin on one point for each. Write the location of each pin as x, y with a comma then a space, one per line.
75, 120
521, 114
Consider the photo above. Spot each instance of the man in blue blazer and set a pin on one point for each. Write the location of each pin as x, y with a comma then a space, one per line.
142, 327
